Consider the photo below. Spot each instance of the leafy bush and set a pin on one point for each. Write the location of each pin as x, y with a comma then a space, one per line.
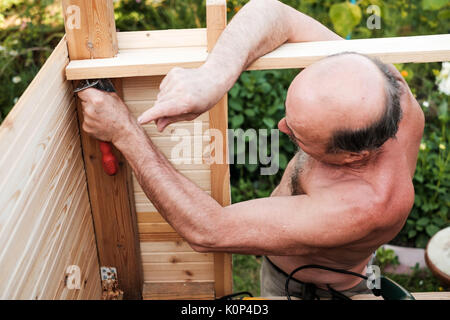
30, 29
257, 101
386, 257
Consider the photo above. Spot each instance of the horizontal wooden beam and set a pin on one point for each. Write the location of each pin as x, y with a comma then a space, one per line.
139, 56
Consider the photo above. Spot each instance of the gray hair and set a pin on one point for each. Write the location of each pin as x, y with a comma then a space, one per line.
376, 134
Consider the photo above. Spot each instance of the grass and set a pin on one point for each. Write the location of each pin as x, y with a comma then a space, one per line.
246, 273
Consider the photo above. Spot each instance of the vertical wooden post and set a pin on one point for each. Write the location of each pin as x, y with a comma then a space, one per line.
216, 21
91, 33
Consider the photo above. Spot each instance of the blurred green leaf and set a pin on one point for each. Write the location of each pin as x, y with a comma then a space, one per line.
433, 4
431, 229
345, 16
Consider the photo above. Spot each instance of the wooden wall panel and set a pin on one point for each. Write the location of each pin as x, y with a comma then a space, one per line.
45, 214
166, 257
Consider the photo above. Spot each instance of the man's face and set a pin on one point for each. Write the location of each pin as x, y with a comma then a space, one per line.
317, 150
314, 147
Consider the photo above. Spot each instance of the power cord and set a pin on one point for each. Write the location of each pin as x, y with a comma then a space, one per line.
334, 293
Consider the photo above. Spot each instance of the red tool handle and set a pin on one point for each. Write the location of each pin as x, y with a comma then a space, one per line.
109, 161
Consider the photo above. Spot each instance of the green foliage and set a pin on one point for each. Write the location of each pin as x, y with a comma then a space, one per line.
386, 257
433, 4
345, 17
420, 280
246, 273
24, 47
257, 101
150, 14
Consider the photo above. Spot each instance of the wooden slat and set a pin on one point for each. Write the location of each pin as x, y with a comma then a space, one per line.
139, 106
186, 271
417, 296
216, 21
159, 237
201, 178
155, 227
38, 214
174, 291
160, 61
176, 257
45, 222
166, 246
161, 39
144, 205
111, 197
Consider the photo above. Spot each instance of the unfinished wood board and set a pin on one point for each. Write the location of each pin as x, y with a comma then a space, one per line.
176, 257
174, 291
162, 39
45, 220
178, 272
417, 295
90, 28
172, 263
111, 197
216, 21
159, 61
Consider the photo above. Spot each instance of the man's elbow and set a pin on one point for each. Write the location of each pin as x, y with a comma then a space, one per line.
203, 242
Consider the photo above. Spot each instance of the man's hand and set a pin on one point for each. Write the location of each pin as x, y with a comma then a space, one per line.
105, 115
184, 95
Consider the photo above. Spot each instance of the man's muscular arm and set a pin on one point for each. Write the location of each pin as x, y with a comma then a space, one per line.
258, 28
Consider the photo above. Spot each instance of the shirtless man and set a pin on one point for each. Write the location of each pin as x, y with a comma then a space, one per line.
346, 193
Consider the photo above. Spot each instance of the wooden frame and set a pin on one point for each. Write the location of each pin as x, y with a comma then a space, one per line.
111, 197
157, 58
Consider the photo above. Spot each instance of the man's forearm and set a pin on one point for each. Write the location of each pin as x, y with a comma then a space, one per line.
191, 211
258, 28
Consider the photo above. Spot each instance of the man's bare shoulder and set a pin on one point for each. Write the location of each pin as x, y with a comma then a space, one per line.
373, 197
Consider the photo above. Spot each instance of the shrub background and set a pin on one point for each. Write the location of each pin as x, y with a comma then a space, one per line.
29, 30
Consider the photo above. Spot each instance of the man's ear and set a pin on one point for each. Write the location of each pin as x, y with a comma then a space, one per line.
356, 156
283, 126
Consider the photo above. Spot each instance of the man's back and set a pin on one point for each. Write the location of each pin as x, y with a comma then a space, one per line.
389, 175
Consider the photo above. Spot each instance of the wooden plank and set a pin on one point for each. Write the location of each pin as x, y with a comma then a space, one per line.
161, 39
40, 212
111, 197
166, 246
155, 227
176, 257
186, 271
216, 21
158, 237
159, 61
15, 126
90, 29
417, 295
173, 291
202, 178
45, 197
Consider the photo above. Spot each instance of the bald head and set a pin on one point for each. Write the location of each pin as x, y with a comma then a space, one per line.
346, 102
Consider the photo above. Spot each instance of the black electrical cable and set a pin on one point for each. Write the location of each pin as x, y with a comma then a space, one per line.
230, 296
316, 266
